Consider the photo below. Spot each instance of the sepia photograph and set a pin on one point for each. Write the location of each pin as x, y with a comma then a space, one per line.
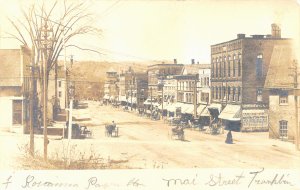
149, 94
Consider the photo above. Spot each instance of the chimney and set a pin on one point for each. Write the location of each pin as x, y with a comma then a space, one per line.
276, 31
241, 36
175, 61
193, 61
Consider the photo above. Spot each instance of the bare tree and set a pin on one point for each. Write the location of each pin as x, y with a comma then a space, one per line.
48, 28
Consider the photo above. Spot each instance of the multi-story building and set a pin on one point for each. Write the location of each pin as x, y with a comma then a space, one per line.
156, 75
239, 69
192, 87
15, 75
281, 83
110, 86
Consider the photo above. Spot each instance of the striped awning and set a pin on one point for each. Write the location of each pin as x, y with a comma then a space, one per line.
202, 110
231, 113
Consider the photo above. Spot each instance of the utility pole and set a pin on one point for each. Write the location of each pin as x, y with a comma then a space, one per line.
32, 94
45, 31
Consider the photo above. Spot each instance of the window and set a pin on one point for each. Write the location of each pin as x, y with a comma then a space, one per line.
233, 68
229, 68
259, 94
283, 98
283, 129
217, 93
259, 66
59, 83
239, 94
213, 92
228, 93
239, 68
17, 112
59, 94
224, 69
217, 70
233, 94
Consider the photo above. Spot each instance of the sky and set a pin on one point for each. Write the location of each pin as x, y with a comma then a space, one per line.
160, 30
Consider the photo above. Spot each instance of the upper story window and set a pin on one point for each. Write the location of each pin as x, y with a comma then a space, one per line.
259, 96
59, 83
283, 98
228, 93
259, 66
239, 68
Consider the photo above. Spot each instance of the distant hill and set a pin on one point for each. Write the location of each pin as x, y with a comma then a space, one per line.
96, 71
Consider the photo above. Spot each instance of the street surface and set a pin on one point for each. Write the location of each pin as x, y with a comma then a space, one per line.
143, 143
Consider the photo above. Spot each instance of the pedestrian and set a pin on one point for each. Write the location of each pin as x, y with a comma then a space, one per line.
229, 138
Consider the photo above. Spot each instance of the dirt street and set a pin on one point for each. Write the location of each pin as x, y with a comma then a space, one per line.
143, 143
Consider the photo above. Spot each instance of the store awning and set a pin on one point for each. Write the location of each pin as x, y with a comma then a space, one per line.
215, 109
187, 108
171, 107
202, 110
257, 112
231, 113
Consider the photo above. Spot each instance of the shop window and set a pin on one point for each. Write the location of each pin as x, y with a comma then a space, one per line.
283, 129
17, 112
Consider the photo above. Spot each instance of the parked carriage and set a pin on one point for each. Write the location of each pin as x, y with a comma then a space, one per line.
78, 131
111, 131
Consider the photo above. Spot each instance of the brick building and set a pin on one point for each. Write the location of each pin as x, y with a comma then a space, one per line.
239, 69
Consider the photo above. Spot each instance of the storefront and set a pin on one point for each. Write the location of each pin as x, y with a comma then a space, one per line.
231, 117
11, 114
255, 120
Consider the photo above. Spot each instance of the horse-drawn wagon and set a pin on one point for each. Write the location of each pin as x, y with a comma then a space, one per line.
111, 131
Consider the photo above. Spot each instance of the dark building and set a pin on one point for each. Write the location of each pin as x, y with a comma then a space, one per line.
238, 73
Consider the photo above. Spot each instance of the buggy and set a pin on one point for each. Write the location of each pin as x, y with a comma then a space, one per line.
111, 131
78, 132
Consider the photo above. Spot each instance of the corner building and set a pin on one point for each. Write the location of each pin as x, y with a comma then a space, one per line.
239, 69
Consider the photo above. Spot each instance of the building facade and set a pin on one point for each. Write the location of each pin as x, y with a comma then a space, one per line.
15, 75
111, 90
283, 102
157, 73
239, 69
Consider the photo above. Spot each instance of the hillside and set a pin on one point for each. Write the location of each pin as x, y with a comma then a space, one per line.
95, 71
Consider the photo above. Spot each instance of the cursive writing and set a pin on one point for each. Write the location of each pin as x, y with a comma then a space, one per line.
181, 181
276, 179
31, 182
8, 181
134, 183
219, 180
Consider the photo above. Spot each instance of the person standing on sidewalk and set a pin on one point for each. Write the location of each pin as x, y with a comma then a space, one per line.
229, 138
